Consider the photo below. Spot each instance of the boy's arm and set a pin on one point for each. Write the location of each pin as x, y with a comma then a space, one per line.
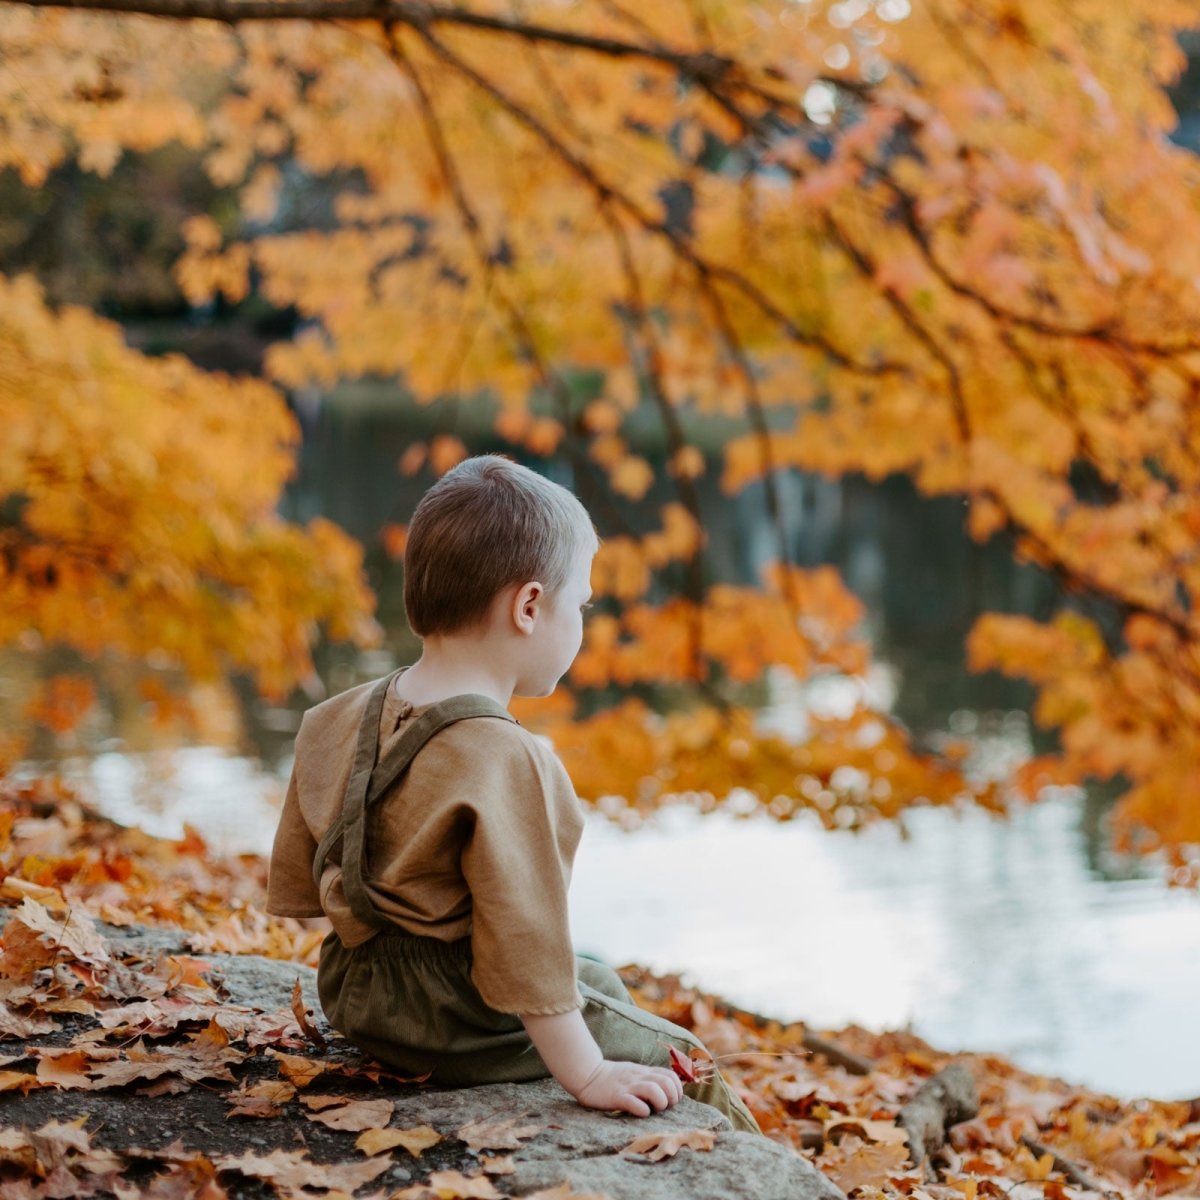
291, 891
569, 1050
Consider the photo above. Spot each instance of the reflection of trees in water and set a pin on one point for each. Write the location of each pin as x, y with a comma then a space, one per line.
906, 556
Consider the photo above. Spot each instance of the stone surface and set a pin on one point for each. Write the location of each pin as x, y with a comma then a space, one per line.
573, 1145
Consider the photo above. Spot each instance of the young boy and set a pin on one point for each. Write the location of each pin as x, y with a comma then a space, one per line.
438, 835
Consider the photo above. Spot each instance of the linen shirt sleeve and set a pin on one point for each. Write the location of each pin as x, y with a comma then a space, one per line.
517, 865
290, 888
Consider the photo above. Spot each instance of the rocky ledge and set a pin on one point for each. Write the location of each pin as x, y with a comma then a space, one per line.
131, 1068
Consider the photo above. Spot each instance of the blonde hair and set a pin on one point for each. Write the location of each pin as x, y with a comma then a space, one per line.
487, 523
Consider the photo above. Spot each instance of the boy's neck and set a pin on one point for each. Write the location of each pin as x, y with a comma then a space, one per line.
453, 667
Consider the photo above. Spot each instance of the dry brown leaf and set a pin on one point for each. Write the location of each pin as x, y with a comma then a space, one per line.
356, 1115
65, 1068
13, 887
16, 1148
316, 1103
75, 932
263, 1099
294, 1169
303, 1014
852, 1163
301, 1071
657, 1146
886, 1132
17, 1025
496, 1135
497, 1164
11, 1080
451, 1185
57, 1141
415, 1140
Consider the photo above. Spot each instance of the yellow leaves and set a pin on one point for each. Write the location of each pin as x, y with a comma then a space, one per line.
62, 702
150, 492
415, 1140
631, 477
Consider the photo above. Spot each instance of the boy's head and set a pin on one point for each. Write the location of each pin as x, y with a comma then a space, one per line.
486, 524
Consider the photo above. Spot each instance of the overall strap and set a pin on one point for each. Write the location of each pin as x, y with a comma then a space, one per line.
369, 781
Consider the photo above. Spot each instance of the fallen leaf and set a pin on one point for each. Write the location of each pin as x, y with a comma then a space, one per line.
498, 1164
316, 1103
56, 1141
301, 1071
416, 1140
263, 1099
294, 1169
356, 1116
852, 1163
496, 1135
302, 1017
11, 1080
887, 1132
657, 1146
16, 1148
75, 933
451, 1185
64, 1068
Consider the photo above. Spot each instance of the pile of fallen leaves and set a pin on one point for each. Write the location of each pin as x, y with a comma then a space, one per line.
157, 1025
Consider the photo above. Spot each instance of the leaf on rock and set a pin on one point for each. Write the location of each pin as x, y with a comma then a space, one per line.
17, 1025
300, 1070
451, 1185
497, 1164
496, 1135
415, 1140
75, 933
302, 1018
294, 1169
16, 1148
64, 1068
657, 1146
356, 1115
10, 1081
316, 1103
264, 1099
57, 1141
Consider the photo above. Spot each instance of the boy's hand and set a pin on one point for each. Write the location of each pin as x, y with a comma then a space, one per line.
630, 1087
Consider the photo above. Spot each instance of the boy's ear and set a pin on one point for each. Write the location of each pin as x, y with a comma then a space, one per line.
527, 604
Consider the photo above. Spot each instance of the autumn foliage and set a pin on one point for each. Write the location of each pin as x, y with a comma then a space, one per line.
943, 238
83, 1014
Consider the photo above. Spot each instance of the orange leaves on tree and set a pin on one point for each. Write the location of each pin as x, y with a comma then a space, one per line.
62, 702
146, 522
970, 260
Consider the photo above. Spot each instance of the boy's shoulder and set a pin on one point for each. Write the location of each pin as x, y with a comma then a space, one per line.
334, 723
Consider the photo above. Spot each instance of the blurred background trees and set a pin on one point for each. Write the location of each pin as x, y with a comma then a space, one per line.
687, 256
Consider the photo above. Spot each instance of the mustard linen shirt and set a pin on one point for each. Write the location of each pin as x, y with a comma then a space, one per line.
477, 837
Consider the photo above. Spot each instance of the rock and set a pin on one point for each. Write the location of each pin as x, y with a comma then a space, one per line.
565, 1143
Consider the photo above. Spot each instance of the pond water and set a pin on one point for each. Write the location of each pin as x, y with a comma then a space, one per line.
1028, 937
976, 933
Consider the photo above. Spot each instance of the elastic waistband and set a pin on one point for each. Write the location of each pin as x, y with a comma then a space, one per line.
399, 943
